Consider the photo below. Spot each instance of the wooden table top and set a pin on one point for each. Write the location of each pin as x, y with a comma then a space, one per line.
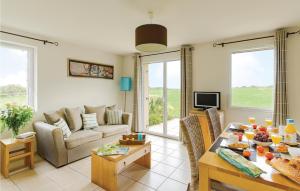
271, 177
13, 141
132, 149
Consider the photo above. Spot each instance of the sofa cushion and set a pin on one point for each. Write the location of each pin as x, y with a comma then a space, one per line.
89, 120
73, 116
114, 117
80, 137
110, 130
64, 127
53, 117
100, 112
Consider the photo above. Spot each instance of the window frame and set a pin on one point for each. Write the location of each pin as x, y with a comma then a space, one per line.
230, 79
31, 70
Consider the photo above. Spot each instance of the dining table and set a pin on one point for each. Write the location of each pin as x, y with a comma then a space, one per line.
213, 167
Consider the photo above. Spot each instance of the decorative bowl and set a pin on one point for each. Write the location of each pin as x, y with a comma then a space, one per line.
264, 144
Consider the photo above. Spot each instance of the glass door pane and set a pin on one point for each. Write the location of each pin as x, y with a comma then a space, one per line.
173, 97
156, 98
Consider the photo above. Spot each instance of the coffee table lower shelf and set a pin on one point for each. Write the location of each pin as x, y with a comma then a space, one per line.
105, 169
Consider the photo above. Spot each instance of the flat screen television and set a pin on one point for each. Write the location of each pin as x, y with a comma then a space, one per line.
205, 100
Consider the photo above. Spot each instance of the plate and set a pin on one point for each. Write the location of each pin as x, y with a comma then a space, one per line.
264, 144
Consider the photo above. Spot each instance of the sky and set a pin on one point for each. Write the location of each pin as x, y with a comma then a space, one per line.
13, 66
173, 74
252, 68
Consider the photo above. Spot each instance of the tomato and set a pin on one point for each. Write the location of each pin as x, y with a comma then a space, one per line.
260, 149
246, 153
269, 155
262, 128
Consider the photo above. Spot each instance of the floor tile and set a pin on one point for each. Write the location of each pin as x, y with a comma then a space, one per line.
164, 150
173, 185
152, 180
82, 166
157, 156
31, 181
172, 161
135, 172
124, 183
182, 176
163, 169
8, 185
139, 187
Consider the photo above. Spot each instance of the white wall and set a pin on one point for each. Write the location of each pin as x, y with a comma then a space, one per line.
55, 89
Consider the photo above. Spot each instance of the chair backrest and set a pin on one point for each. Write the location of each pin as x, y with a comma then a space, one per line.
214, 123
192, 133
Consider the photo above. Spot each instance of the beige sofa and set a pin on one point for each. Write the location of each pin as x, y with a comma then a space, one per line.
60, 151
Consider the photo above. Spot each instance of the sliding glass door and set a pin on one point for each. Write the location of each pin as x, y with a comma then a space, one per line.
162, 98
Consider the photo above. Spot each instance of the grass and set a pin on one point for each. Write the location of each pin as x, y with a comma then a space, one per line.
254, 97
19, 100
173, 98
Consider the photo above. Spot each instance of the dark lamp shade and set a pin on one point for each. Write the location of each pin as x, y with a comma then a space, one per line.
151, 38
125, 84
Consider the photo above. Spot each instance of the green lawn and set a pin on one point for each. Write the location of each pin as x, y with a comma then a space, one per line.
19, 100
256, 97
173, 98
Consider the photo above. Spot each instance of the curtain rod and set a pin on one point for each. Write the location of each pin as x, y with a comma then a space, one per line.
28, 37
250, 39
159, 53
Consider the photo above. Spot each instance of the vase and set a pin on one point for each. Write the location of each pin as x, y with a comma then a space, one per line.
15, 132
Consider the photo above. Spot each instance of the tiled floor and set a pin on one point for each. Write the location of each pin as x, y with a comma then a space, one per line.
170, 171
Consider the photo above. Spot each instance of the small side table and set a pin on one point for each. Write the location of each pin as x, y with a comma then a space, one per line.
8, 155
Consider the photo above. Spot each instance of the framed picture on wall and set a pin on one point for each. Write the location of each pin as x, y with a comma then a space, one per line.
78, 68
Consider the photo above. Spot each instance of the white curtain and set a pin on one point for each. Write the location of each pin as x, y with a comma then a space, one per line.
186, 83
138, 125
280, 102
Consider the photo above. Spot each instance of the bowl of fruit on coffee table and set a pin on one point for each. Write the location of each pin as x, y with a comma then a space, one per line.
262, 139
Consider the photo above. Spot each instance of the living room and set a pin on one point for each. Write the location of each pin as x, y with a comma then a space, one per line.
81, 79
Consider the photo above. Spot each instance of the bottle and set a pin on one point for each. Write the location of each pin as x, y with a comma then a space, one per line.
290, 132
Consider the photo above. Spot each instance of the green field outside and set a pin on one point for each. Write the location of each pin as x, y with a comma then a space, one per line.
256, 97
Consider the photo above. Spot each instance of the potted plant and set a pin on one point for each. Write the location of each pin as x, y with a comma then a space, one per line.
14, 117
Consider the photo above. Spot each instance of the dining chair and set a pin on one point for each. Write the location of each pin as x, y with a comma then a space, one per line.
192, 133
214, 123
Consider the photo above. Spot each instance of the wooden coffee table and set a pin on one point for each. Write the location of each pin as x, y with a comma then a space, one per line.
105, 169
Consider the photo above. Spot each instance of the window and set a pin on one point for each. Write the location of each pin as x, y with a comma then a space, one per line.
16, 74
252, 79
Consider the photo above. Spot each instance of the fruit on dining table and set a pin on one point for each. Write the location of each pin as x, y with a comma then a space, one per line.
260, 149
239, 134
262, 128
262, 137
269, 155
246, 153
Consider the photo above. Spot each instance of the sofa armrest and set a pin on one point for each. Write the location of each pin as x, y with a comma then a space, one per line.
50, 143
127, 119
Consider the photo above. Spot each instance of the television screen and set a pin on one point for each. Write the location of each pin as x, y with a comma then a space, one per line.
206, 99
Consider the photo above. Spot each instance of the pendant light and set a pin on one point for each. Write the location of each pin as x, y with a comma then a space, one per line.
151, 37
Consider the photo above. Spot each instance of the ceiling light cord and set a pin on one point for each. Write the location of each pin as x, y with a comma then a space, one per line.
150, 13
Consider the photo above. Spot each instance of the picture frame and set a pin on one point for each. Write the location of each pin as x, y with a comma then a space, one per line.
79, 68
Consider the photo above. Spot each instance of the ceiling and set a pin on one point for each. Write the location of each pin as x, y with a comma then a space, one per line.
110, 24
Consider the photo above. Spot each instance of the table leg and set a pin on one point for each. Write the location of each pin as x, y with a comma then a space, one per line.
204, 181
4, 160
145, 160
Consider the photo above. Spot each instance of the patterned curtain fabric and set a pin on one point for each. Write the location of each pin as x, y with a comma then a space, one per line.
186, 83
138, 125
280, 102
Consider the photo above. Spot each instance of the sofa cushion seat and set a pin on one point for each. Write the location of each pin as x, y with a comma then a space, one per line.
110, 130
81, 137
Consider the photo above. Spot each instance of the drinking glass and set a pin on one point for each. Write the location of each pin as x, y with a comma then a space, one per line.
249, 135
276, 139
251, 120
